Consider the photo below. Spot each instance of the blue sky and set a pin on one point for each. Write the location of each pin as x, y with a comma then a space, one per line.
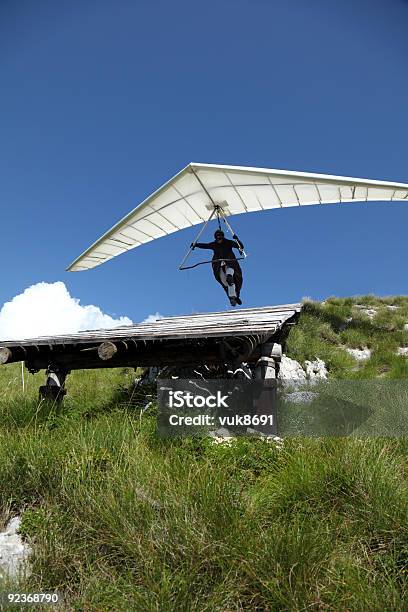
102, 101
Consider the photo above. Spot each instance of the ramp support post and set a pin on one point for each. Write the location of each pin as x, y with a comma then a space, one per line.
267, 364
267, 369
54, 388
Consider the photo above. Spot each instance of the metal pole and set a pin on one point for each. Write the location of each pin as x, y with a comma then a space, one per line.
197, 237
22, 376
231, 231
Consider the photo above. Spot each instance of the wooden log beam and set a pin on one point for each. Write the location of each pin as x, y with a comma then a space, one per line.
158, 357
128, 354
232, 348
107, 350
5, 354
13, 354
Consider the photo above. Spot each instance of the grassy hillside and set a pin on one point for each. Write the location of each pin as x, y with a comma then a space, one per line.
120, 520
327, 329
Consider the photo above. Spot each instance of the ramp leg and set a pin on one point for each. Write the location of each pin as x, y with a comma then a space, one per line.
54, 388
267, 369
267, 364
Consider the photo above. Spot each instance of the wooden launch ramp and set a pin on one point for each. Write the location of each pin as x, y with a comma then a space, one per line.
209, 338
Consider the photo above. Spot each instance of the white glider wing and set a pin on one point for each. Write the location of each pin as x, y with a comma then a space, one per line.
189, 197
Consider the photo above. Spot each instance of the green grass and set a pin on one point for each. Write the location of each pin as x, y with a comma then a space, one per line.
122, 520
359, 408
327, 330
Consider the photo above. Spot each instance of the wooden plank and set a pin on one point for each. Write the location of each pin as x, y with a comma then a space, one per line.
206, 325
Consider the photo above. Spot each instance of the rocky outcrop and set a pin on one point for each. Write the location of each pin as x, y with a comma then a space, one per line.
369, 312
290, 371
359, 354
316, 370
14, 553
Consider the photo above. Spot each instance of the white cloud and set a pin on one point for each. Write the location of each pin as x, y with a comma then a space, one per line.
152, 318
47, 309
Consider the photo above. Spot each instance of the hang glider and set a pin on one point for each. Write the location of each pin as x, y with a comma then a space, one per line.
193, 194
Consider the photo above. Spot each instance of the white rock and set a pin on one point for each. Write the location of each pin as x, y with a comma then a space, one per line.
403, 350
359, 354
14, 552
392, 307
370, 312
316, 370
406, 327
293, 375
291, 372
13, 526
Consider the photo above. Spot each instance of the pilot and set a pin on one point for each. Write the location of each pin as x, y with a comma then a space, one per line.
225, 266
